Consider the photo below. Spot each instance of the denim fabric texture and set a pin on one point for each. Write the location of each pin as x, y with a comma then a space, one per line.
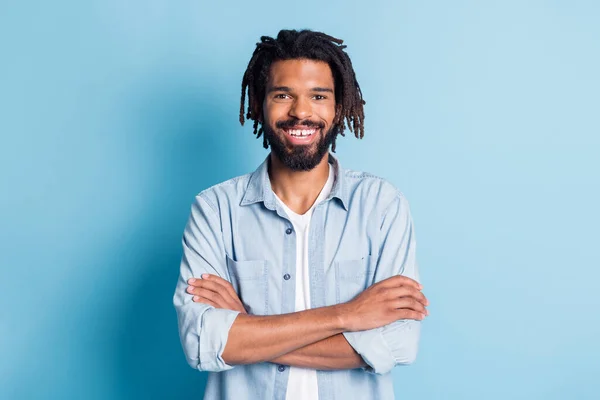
360, 234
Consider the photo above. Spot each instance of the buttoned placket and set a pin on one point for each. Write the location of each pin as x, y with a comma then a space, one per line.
316, 285
316, 256
288, 293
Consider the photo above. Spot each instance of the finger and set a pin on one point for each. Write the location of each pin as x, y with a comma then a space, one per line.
404, 313
221, 299
204, 300
410, 304
401, 280
218, 300
193, 281
210, 285
202, 284
220, 281
407, 291
215, 297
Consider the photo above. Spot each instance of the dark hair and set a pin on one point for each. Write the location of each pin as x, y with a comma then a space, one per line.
304, 44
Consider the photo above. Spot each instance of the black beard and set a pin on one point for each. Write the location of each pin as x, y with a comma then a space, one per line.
300, 158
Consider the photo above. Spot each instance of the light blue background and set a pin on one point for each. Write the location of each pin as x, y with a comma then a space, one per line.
114, 114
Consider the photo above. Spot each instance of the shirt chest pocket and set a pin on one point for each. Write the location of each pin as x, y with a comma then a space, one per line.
249, 280
353, 277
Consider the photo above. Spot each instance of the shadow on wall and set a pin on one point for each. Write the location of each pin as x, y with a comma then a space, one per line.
112, 332
192, 154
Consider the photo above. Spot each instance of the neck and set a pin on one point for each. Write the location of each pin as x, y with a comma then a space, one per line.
298, 189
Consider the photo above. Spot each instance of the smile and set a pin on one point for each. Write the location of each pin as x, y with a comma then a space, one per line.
301, 132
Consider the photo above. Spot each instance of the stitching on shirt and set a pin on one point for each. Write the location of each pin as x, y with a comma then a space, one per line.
203, 196
361, 174
266, 275
204, 193
229, 182
209, 202
387, 208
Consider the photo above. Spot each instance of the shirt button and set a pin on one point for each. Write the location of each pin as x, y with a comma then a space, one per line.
288, 231
281, 368
286, 277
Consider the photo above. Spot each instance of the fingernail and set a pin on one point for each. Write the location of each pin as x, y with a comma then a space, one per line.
191, 280
189, 288
196, 298
204, 276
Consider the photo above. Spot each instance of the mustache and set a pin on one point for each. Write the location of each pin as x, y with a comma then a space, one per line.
291, 123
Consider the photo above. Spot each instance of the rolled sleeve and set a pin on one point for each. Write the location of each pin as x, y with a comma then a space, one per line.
214, 329
384, 348
203, 329
396, 343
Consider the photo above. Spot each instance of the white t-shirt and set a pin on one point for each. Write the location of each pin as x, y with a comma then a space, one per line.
302, 382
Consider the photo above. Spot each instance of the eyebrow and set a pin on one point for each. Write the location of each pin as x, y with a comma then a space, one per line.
288, 89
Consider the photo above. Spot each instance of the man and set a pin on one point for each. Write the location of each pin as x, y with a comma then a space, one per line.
299, 281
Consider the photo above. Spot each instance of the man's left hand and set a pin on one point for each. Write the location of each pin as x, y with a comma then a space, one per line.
216, 292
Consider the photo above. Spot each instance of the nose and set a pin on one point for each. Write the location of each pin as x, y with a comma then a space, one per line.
301, 109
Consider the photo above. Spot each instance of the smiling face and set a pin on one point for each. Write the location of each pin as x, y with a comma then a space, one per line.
299, 112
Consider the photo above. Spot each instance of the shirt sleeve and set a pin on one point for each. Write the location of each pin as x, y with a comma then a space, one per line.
203, 329
397, 343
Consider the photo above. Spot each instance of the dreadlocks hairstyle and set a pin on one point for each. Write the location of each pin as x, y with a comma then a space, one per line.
304, 44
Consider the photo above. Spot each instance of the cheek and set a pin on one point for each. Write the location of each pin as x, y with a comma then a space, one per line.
327, 113
274, 111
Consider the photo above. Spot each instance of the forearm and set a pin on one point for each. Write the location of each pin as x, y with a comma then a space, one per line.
253, 339
332, 353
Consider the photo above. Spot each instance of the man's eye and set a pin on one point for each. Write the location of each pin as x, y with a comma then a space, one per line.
319, 97
281, 96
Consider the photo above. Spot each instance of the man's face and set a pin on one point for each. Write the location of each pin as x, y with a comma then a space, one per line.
299, 111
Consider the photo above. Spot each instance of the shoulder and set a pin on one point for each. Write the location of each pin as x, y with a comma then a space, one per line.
371, 189
228, 192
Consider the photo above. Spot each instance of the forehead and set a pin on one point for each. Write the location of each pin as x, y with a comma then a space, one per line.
300, 73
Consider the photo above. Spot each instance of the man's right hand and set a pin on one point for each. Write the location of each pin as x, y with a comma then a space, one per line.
398, 297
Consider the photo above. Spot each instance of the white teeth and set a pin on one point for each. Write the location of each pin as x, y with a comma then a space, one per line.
301, 132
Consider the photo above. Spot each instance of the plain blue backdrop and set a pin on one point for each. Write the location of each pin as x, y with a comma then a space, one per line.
114, 114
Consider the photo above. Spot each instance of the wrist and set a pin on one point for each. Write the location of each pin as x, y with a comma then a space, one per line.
284, 359
343, 316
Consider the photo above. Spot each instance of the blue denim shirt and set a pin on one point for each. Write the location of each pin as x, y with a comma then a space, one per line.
360, 234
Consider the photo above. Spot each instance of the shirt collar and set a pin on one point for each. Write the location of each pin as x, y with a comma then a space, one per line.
259, 187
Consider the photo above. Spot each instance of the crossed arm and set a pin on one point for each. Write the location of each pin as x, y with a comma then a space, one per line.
330, 353
378, 328
312, 338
